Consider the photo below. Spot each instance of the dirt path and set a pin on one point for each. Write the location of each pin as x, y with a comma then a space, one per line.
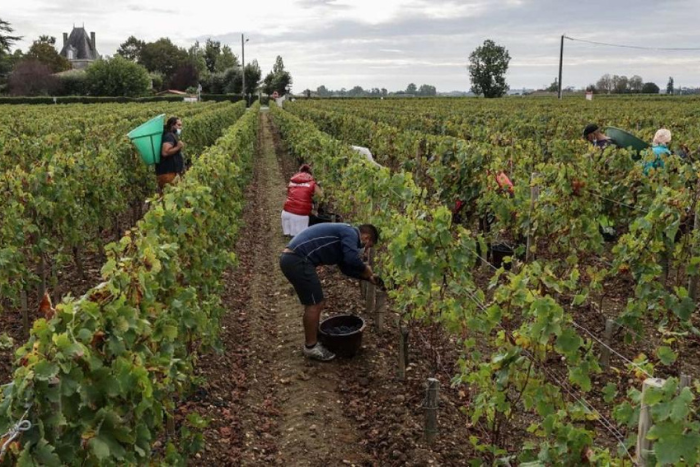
270, 405
267, 405
313, 428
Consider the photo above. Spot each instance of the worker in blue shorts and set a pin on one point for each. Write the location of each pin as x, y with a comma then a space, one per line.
324, 244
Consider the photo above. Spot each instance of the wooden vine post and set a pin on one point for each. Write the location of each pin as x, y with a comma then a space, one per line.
685, 382
403, 351
645, 423
607, 339
24, 299
371, 290
379, 309
534, 195
431, 410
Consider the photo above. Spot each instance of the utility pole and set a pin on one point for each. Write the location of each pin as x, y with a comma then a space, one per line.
245, 96
561, 62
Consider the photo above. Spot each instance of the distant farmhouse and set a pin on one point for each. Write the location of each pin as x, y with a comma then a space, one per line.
79, 49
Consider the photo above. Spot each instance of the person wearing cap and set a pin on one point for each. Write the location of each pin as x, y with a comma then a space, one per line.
325, 244
300, 193
597, 138
660, 149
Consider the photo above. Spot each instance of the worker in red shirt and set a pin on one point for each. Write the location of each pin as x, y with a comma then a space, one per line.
300, 193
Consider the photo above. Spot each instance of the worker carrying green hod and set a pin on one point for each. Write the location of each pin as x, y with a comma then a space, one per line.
324, 244
597, 138
172, 164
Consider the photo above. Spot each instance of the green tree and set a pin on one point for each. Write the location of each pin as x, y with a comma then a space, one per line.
6, 39
278, 67
163, 56
215, 83
7, 60
554, 87
233, 80
73, 83
620, 84
427, 90
45, 39
117, 77
196, 57
605, 84
356, 91
225, 60
636, 83
253, 73
278, 79
322, 91
488, 65
669, 86
131, 49
212, 50
43, 51
650, 88
411, 89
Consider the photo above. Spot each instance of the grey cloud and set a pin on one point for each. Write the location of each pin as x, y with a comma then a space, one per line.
314, 4
430, 40
140, 8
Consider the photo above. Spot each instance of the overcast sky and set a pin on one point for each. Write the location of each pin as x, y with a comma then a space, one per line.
390, 43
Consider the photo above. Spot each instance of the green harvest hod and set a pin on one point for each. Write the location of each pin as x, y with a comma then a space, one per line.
148, 139
625, 139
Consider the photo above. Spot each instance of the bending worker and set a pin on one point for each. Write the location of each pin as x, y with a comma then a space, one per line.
324, 244
300, 193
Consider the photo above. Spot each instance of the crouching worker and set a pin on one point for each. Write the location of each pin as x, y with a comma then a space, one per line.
324, 244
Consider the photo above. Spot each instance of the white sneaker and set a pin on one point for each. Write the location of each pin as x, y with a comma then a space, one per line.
319, 352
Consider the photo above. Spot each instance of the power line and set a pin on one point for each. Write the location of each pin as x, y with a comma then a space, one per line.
638, 47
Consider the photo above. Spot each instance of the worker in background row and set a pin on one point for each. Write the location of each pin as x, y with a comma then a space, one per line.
596, 137
505, 187
662, 139
171, 164
324, 244
300, 194
365, 152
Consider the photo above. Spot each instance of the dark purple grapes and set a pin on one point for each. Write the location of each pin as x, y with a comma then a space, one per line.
341, 330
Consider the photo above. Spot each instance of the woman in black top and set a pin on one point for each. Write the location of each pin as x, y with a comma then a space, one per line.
171, 162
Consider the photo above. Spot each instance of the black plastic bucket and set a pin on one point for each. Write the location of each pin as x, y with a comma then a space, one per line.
608, 233
320, 219
498, 253
333, 334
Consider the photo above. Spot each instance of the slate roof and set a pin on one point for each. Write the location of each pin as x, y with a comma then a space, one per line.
83, 47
